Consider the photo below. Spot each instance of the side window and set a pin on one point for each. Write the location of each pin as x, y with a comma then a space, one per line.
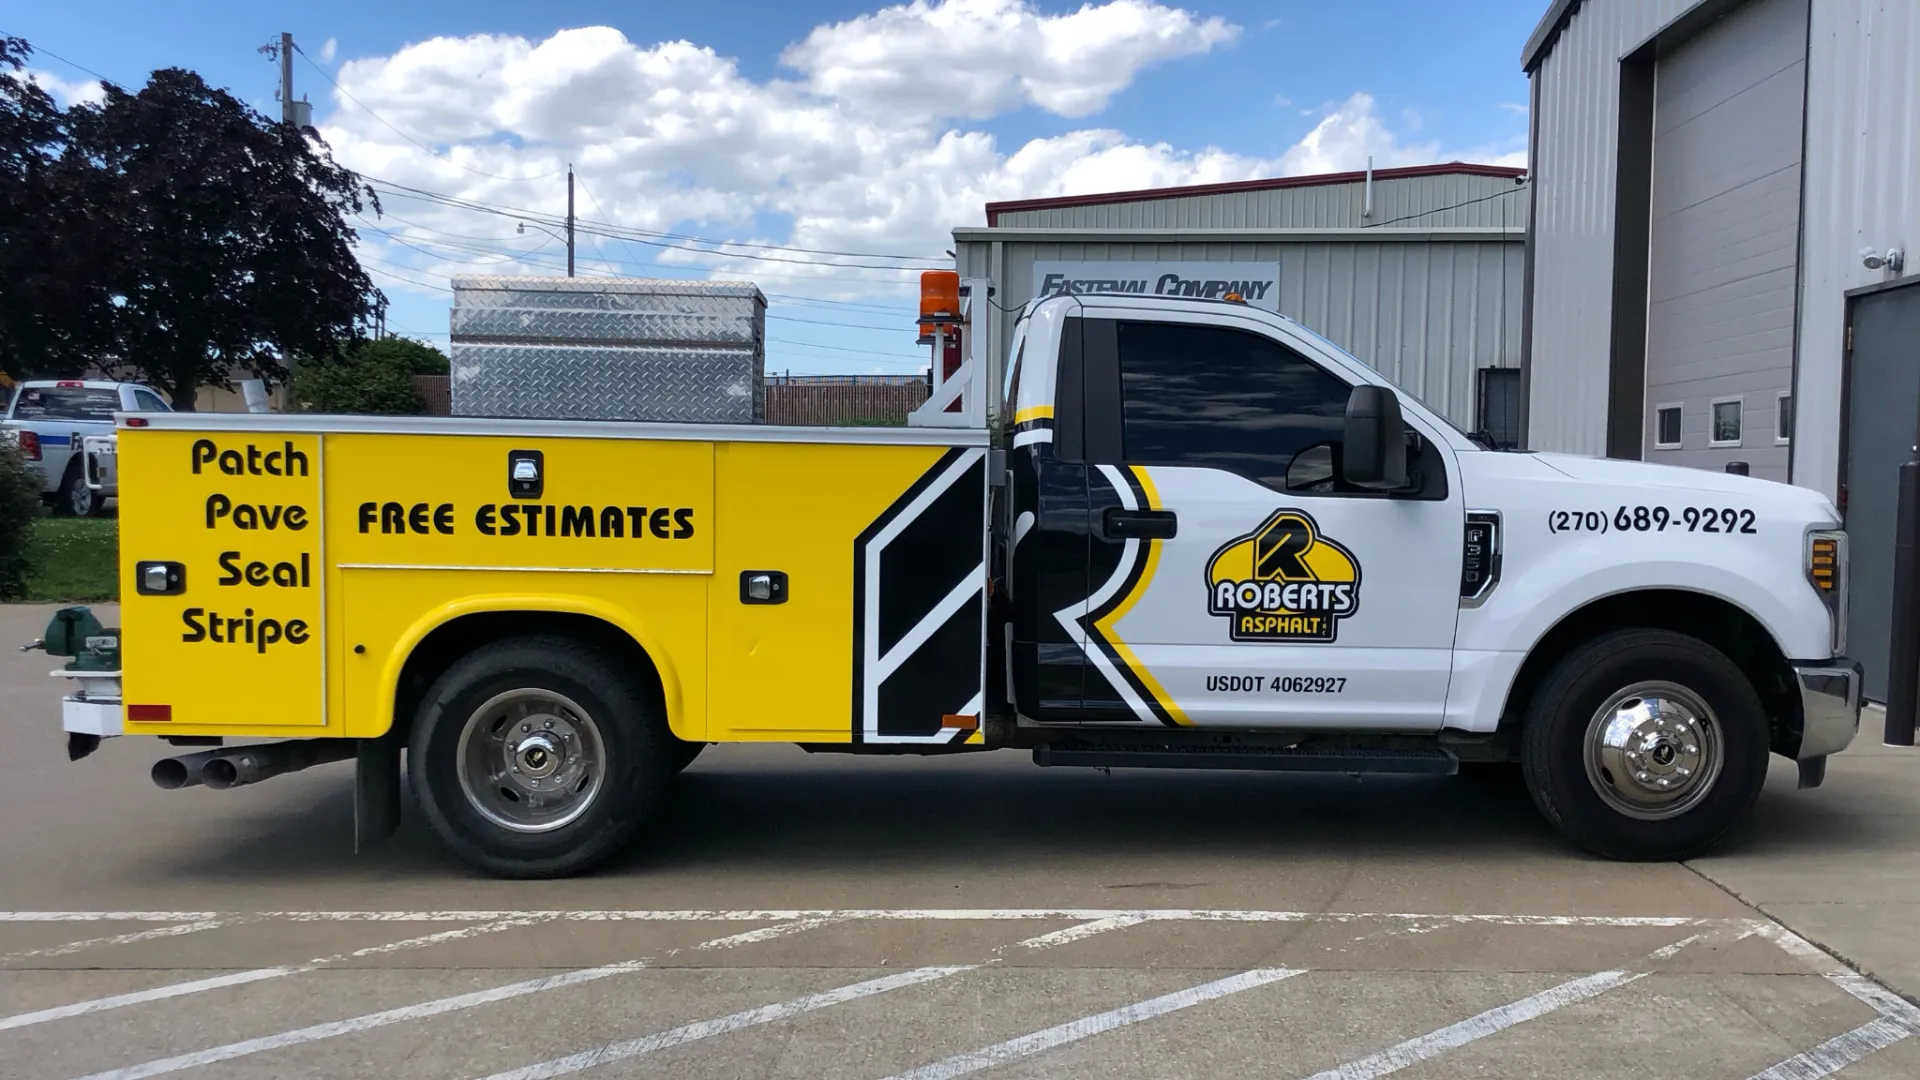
148, 401
1213, 397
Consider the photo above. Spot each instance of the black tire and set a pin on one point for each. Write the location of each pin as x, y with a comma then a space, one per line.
638, 755
1553, 744
75, 498
684, 753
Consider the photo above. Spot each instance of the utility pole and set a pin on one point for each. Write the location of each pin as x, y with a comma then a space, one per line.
286, 78
569, 219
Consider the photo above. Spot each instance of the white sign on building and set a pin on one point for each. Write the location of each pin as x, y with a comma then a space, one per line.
1258, 283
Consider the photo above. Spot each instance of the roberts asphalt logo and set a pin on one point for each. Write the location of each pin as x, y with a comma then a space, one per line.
1283, 581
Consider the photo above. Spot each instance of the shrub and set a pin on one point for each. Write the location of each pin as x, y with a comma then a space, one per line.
369, 377
19, 505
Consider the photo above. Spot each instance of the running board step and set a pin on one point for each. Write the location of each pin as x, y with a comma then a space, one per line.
1434, 762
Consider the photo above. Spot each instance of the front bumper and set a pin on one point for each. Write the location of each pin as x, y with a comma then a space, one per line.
1829, 706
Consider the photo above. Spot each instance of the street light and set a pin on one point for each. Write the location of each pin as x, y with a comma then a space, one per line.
521, 228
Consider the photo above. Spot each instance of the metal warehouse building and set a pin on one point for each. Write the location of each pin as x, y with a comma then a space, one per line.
1724, 192
1417, 271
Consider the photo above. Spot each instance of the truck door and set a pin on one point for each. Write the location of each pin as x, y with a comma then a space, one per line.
1248, 588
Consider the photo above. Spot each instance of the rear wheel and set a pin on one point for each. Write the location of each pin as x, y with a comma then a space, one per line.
537, 757
75, 498
1645, 745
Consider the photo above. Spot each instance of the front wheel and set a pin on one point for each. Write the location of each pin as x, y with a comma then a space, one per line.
1645, 745
537, 757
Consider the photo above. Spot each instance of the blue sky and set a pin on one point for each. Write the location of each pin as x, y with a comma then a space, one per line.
827, 124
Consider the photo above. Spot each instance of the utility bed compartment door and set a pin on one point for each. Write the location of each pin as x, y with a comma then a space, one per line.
227, 633
879, 636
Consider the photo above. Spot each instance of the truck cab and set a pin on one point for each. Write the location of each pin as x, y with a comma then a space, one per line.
1227, 541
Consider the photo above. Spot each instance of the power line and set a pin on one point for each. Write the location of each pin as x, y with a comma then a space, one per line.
64, 60
602, 213
1444, 209
617, 232
396, 130
379, 269
895, 357
844, 326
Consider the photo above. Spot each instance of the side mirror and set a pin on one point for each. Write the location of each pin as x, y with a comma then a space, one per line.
1374, 452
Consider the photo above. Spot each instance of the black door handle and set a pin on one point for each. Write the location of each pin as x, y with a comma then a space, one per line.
1122, 524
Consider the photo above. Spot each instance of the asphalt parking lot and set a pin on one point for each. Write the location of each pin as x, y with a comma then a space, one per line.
797, 916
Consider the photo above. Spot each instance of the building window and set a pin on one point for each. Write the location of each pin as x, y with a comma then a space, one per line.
1666, 427
1499, 406
1725, 430
1783, 419
1211, 397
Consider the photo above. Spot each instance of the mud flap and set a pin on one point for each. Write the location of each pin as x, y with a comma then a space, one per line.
376, 791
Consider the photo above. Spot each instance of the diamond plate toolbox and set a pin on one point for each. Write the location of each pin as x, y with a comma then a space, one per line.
556, 348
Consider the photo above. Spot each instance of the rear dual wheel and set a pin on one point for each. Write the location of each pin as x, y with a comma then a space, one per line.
539, 756
1645, 745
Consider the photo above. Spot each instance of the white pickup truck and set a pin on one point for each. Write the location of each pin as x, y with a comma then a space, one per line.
51, 421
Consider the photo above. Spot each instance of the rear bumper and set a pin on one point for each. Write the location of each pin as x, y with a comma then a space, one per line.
1829, 706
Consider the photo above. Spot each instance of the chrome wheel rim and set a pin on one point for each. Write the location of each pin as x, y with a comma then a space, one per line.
80, 499
1653, 751
531, 761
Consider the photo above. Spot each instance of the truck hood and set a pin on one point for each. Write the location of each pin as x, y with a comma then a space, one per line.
1640, 474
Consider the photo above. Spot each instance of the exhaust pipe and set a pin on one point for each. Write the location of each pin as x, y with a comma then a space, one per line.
185, 771
244, 765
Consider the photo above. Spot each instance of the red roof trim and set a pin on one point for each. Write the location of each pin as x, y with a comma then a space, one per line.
1452, 168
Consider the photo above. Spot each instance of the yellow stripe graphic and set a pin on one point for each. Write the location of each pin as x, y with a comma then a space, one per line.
1106, 626
1033, 412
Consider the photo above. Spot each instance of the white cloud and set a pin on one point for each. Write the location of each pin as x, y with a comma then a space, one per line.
66, 92
1514, 108
329, 50
872, 144
979, 58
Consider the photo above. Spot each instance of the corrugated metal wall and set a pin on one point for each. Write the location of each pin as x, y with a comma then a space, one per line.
1862, 190
1326, 206
1573, 163
1862, 177
1426, 314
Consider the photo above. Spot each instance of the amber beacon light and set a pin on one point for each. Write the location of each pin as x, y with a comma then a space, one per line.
939, 303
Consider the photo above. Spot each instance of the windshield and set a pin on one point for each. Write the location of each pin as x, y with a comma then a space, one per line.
66, 403
1480, 440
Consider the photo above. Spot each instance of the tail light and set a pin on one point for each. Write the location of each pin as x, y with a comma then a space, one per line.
30, 445
1827, 573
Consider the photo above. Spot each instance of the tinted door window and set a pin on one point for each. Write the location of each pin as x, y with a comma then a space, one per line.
1226, 399
147, 401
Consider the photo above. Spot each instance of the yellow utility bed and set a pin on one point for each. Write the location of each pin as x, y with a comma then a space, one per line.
280, 574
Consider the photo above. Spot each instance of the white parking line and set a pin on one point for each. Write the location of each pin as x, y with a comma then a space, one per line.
1474, 1028
239, 978
1838, 1052
1087, 1026
766, 1014
405, 1013
1899, 1019
364, 1023
707, 1029
72, 947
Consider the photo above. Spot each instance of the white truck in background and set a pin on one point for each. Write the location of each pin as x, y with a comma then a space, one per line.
64, 429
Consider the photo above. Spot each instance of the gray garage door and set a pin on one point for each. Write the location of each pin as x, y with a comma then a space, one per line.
1728, 109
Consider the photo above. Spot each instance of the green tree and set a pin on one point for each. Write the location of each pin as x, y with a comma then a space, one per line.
232, 247
367, 377
55, 309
